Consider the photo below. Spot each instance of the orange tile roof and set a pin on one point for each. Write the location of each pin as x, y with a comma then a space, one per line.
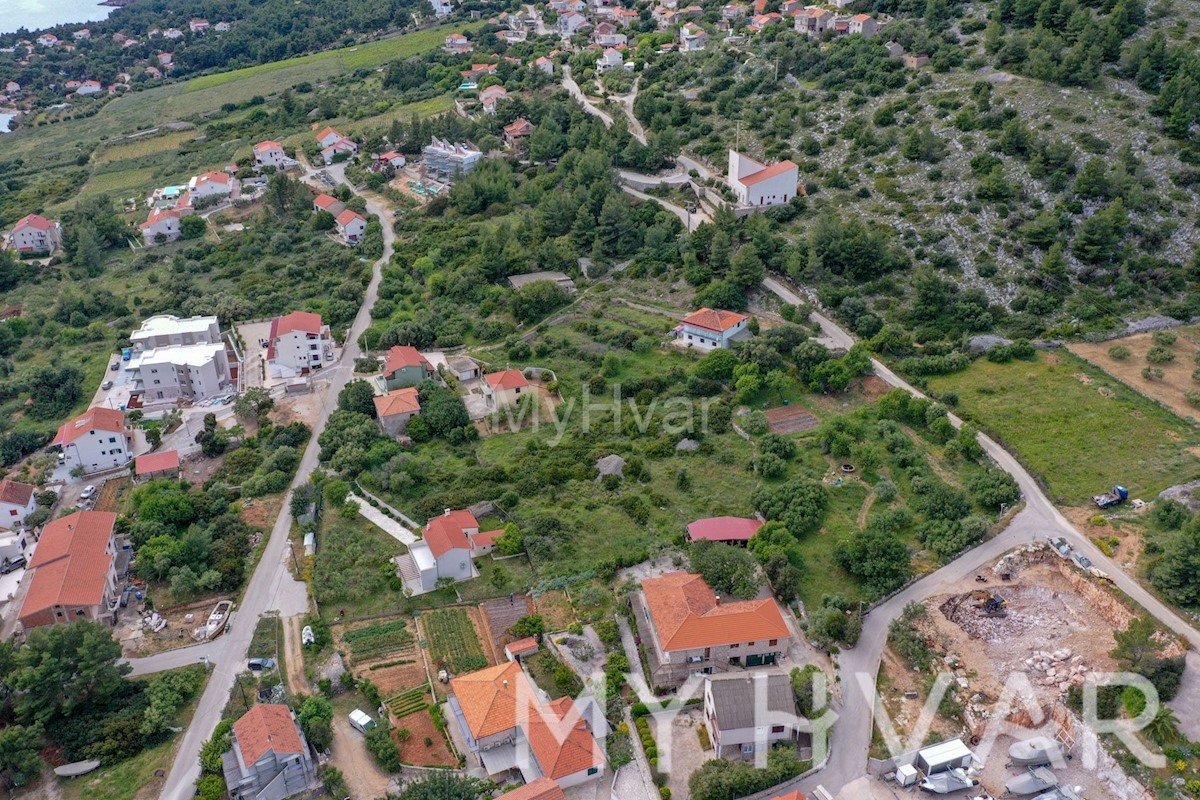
303, 321
541, 789
33, 221
562, 747
486, 538
158, 216
98, 418
348, 216
16, 493
267, 145
488, 698
328, 131
401, 356
687, 615
71, 562
508, 379
723, 529
796, 795
770, 172
398, 401
861, 17
325, 202
446, 533
157, 462
714, 320
522, 646
266, 727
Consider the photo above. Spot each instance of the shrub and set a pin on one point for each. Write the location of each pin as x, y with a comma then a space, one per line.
1164, 338
1193, 397
1151, 374
885, 491
1118, 352
1160, 355
755, 423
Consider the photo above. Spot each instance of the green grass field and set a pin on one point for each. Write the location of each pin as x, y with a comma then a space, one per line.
55, 144
1080, 436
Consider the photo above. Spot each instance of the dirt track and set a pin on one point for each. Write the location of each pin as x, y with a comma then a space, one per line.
297, 681
364, 779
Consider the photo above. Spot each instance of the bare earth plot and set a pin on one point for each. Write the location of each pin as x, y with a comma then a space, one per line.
791, 419
1177, 374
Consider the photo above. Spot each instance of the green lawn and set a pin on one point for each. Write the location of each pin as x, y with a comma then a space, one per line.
822, 576
1079, 440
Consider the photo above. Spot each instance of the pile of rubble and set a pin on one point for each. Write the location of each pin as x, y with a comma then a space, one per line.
1059, 668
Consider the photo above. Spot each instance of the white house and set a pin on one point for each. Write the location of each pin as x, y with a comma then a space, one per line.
692, 38
223, 27
188, 371
47, 40
813, 20
709, 329
607, 35
544, 64
351, 227
161, 224
756, 184
12, 87
173, 33
571, 22
504, 388
328, 154
457, 43
611, 60
864, 25
490, 96
89, 87
750, 712
270, 154
96, 440
447, 547
198, 25
81, 34
298, 342
442, 8
324, 202
211, 184
35, 234
16, 503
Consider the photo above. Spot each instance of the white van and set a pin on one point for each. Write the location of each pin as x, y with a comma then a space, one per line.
361, 720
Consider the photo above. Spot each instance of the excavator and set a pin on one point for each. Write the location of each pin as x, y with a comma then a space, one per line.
989, 603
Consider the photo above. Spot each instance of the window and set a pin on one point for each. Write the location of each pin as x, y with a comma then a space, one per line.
734, 646
749, 644
773, 642
593, 770
777, 729
748, 748
12, 513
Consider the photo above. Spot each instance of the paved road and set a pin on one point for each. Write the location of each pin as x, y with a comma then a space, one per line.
691, 220
1038, 519
272, 586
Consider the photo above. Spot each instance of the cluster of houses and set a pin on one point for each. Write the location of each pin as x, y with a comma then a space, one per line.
158, 63
350, 225
335, 146
170, 204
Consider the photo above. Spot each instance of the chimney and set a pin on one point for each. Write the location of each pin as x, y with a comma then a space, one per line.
506, 683
718, 599
446, 513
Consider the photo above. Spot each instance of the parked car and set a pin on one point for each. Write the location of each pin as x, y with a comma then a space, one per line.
260, 664
87, 492
12, 565
361, 721
115, 366
226, 400
106, 385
